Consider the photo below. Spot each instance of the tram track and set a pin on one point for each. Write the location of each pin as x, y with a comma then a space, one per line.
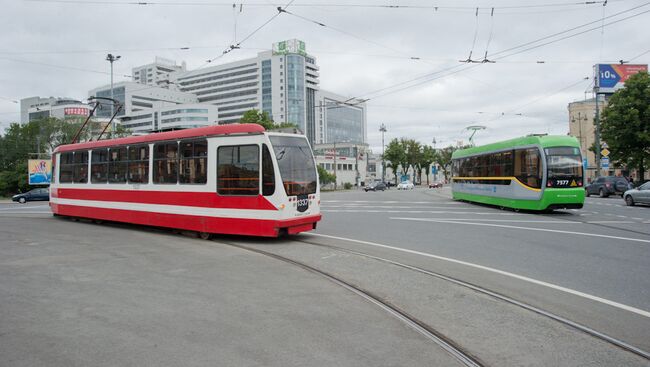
572, 324
448, 345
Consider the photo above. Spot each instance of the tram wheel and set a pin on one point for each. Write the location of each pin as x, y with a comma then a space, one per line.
205, 235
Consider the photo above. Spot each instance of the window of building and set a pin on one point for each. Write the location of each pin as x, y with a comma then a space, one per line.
268, 173
165, 163
193, 162
138, 164
67, 167
117, 165
238, 170
99, 166
80, 173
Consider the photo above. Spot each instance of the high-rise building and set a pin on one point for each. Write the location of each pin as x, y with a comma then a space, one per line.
284, 82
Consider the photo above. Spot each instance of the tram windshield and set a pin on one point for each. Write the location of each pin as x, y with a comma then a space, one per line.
296, 164
564, 165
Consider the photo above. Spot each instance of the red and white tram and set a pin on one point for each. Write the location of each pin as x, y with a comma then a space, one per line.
230, 179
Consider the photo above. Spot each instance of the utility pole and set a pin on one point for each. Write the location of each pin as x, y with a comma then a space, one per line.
382, 128
110, 58
335, 177
597, 136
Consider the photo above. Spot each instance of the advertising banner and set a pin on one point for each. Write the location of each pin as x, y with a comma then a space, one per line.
611, 77
40, 171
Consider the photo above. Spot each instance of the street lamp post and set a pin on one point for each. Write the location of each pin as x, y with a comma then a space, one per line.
111, 58
382, 128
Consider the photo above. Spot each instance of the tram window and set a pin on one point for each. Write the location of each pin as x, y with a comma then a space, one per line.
238, 170
99, 166
194, 162
268, 173
165, 163
117, 165
138, 164
528, 167
67, 167
80, 172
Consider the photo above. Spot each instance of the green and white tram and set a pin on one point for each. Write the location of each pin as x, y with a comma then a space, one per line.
532, 173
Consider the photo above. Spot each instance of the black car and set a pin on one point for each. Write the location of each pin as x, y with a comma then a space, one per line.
375, 186
32, 195
607, 185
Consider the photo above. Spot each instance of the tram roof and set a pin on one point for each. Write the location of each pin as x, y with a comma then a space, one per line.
206, 131
543, 141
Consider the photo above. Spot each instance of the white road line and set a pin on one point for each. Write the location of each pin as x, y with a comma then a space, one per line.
413, 211
526, 228
25, 207
14, 213
388, 202
497, 271
610, 221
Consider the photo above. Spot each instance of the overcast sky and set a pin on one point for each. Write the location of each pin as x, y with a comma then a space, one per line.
58, 48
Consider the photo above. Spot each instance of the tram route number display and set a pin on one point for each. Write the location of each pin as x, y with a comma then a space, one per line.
302, 203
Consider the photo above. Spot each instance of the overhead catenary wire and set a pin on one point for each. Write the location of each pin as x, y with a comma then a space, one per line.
59, 66
487, 46
469, 58
322, 5
428, 77
238, 44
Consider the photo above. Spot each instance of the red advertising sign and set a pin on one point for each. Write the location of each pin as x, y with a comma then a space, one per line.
75, 111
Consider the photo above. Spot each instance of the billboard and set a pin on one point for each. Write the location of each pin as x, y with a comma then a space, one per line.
293, 46
611, 77
40, 171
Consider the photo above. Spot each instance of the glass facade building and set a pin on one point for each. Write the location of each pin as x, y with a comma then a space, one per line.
296, 91
344, 123
105, 109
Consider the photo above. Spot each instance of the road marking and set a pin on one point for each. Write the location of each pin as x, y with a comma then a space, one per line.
25, 207
388, 202
413, 211
525, 228
497, 271
610, 221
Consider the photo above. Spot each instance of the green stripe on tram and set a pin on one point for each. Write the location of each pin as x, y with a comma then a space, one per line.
549, 197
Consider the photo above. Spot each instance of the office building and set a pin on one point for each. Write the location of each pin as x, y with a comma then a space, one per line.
156, 73
34, 108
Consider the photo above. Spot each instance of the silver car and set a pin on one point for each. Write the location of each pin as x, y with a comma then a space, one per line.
640, 195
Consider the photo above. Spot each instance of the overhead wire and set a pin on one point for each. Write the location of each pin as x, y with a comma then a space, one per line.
238, 44
323, 5
469, 58
60, 66
428, 75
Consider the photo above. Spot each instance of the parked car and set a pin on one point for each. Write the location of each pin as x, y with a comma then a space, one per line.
375, 186
436, 184
32, 195
639, 195
607, 185
405, 185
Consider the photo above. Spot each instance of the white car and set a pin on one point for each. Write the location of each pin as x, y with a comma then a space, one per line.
405, 185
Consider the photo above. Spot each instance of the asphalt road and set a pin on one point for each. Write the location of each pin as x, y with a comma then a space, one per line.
75, 293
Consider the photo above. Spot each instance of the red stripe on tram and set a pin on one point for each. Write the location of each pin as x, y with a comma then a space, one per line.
198, 199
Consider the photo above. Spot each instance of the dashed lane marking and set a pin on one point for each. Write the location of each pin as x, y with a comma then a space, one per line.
497, 271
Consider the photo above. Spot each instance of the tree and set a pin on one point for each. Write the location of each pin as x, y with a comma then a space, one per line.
255, 116
625, 124
413, 156
37, 138
427, 157
395, 154
325, 177
443, 159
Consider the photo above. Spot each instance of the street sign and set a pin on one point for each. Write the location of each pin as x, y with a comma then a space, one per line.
434, 170
604, 162
604, 152
584, 164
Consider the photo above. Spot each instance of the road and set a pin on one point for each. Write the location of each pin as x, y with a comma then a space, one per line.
77, 293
